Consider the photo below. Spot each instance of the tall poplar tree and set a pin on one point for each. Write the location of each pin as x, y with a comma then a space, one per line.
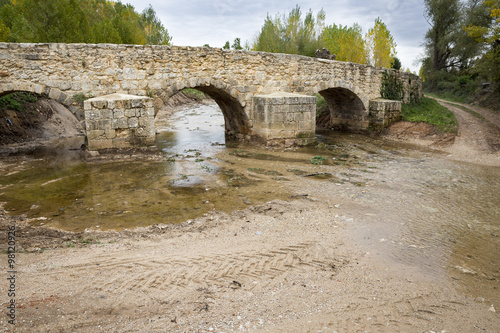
346, 43
381, 45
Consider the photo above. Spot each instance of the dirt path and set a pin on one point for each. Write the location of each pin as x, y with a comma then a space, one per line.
477, 141
478, 138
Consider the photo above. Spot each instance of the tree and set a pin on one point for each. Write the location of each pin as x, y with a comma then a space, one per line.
346, 43
290, 34
444, 17
226, 46
488, 34
237, 44
381, 44
154, 29
79, 21
396, 63
61, 21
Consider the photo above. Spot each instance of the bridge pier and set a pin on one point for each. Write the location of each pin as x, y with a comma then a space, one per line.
285, 119
119, 121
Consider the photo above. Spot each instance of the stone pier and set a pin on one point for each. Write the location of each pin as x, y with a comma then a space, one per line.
285, 118
119, 121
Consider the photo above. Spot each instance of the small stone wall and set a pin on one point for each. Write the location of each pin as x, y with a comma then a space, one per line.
285, 118
119, 121
383, 113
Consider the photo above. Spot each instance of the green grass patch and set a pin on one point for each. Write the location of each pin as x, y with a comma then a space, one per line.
194, 94
15, 101
430, 111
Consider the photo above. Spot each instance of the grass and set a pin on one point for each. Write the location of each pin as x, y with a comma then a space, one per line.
194, 94
429, 111
15, 101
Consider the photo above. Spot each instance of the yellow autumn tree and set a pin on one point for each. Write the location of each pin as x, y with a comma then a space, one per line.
346, 43
381, 45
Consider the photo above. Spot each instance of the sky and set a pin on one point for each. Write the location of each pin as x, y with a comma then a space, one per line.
213, 22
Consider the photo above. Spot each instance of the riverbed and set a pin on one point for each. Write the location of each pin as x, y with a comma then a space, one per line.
407, 207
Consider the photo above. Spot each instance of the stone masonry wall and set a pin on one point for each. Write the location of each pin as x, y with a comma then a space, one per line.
119, 121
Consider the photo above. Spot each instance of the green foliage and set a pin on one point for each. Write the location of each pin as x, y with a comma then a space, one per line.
15, 101
321, 106
79, 21
392, 87
462, 48
318, 160
429, 111
194, 94
346, 43
290, 34
396, 63
226, 46
237, 44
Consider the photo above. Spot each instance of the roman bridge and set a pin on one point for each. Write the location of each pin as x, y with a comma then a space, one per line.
263, 96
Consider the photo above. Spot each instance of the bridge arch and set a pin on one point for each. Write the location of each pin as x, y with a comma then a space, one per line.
347, 110
40, 89
236, 120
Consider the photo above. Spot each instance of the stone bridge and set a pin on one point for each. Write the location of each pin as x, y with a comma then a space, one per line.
262, 95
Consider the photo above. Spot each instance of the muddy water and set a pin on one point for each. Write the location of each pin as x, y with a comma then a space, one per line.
410, 207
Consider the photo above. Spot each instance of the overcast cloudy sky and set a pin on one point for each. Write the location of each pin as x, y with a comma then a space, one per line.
213, 22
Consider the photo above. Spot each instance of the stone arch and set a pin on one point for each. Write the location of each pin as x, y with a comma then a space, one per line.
236, 120
346, 110
41, 89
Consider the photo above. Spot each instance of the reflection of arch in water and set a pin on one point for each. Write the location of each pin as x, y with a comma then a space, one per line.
235, 119
346, 110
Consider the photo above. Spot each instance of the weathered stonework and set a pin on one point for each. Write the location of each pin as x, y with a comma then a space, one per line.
119, 121
384, 112
285, 118
231, 77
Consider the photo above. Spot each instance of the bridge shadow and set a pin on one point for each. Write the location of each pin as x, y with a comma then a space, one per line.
345, 111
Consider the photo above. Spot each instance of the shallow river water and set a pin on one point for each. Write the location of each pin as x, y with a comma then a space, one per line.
416, 207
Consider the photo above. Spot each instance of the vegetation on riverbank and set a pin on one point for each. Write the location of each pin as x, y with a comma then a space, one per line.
462, 57
430, 111
79, 21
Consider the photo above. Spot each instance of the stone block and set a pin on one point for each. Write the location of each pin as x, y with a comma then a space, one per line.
95, 134
130, 113
101, 144
92, 115
106, 114
118, 113
133, 122
148, 112
99, 103
136, 103
122, 123
110, 133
